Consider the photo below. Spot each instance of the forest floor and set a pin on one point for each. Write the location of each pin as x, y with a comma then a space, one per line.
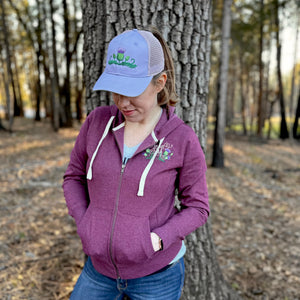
255, 212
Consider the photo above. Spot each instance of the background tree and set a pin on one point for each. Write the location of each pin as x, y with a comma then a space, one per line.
33, 30
55, 77
283, 125
78, 79
186, 27
252, 78
9, 79
51, 78
260, 110
296, 134
67, 116
219, 136
295, 65
294, 75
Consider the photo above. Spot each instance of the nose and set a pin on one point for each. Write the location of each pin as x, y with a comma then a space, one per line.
122, 100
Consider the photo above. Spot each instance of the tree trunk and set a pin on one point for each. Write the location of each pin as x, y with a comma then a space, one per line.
267, 93
252, 83
67, 120
10, 106
55, 77
38, 58
284, 134
18, 89
186, 27
46, 61
242, 93
230, 113
271, 104
294, 70
297, 116
78, 82
219, 135
260, 115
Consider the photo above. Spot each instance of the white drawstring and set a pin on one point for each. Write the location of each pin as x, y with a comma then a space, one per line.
90, 174
146, 171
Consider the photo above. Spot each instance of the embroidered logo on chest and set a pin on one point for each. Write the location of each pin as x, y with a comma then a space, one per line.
165, 152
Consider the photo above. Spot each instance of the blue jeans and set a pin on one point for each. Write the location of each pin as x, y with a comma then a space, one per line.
166, 284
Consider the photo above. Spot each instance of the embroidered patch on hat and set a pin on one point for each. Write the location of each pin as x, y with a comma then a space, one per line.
165, 153
122, 60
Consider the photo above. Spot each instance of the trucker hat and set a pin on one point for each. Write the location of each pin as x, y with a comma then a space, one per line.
133, 58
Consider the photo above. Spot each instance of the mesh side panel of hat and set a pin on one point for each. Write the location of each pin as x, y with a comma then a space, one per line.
156, 54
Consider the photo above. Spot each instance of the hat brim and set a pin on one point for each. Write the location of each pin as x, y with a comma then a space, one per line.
127, 86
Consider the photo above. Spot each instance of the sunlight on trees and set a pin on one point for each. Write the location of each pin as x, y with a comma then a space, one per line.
248, 79
45, 45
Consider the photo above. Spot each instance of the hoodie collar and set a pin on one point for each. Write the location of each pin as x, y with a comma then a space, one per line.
167, 123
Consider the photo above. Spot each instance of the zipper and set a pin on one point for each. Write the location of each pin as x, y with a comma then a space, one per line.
114, 221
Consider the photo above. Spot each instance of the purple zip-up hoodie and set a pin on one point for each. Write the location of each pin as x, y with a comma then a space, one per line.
116, 206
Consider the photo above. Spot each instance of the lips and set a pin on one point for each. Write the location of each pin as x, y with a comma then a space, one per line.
128, 112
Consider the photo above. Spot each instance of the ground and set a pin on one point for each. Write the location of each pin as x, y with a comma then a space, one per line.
255, 214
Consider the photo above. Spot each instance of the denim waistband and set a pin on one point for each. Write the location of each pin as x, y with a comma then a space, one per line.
94, 273
165, 268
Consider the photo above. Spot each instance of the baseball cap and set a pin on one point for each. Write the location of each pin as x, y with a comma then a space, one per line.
133, 58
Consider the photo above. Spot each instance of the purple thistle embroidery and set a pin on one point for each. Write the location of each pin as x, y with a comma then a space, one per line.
164, 154
121, 60
120, 54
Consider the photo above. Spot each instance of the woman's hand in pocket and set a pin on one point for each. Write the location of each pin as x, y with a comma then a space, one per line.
156, 242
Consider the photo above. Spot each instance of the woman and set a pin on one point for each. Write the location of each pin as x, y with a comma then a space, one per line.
128, 162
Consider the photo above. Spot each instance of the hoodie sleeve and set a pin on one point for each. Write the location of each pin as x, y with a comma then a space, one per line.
75, 183
193, 196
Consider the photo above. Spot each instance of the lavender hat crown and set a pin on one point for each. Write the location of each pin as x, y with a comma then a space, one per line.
133, 58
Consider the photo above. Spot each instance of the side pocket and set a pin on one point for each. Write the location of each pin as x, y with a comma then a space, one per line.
82, 230
132, 241
94, 231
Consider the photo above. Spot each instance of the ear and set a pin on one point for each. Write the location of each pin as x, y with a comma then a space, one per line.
161, 81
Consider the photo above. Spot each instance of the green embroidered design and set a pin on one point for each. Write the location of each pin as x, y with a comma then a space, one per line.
122, 60
163, 155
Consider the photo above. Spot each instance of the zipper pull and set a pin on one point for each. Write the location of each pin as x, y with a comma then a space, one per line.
124, 162
123, 167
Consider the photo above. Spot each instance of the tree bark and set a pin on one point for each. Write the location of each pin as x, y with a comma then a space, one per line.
55, 77
271, 104
46, 61
20, 111
67, 120
10, 105
294, 70
219, 134
242, 93
251, 83
296, 122
39, 52
78, 82
284, 134
260, 115
231, 90
186, 27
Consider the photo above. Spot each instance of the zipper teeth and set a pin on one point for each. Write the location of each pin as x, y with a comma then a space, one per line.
114, 222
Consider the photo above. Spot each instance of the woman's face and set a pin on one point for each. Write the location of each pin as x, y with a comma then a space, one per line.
143, 107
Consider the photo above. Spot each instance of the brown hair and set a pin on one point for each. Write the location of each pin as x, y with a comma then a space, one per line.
167, 96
